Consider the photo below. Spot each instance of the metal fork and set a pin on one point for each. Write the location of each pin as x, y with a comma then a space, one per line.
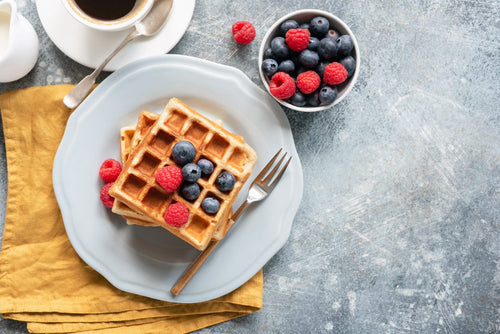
261, 186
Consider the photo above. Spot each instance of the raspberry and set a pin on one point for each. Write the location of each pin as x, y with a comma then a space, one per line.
308, 82
297, 39
334, 74
110, 169
282, 85
169, 178
106, 199
243, 32
176, 214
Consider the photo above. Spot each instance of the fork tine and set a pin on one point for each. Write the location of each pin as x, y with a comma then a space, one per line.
269, 164
278, 177
273, 171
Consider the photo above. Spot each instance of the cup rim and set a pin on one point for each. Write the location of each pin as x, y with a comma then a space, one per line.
112, 25
330, 17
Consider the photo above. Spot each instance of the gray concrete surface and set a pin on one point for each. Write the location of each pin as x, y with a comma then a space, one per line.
398, 230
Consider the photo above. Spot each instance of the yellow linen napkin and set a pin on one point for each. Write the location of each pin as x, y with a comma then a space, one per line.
42, 279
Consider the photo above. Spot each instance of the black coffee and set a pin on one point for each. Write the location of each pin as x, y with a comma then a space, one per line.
106, 9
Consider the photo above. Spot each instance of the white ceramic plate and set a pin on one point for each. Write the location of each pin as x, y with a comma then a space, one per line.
90, 47
149, 260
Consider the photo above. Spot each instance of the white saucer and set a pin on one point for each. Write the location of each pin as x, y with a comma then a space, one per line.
90, 47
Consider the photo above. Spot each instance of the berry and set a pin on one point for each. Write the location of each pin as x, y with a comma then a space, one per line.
344, 45
313, 99
176, 214
243, 32
304, 26
349, 64
225, 181
319, 26
169, 178
191, 172
269, 67
282, 85
300, 70
206, 166
334, 74
287, 25
210, 205
332, 34
183, 152
279, 48
190, 191
286, 66
308, 82
110, 169
268, 53
106, 199
294, 57
327, 48
309, 58
297, 39
298, 99
313, 44
320, 69
327, 95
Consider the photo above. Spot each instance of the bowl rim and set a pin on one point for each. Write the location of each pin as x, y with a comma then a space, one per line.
330, 17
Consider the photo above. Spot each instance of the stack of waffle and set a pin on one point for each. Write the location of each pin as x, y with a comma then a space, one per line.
147, 147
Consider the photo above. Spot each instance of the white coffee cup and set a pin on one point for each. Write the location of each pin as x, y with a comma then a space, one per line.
87, 16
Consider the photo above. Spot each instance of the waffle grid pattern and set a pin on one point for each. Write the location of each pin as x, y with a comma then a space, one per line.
136, 187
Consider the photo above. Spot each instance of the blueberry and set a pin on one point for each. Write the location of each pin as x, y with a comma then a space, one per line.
327, 95
304, 26
269, 67
268, 53
332, 34
298, 99
183, 152
327, 48
313, 99
301, 69
279, 47
320, 69
206, 166
210, 205
191, 172
286, 66
319, 26
344, 45
313, 44
190, 191
294, 56
287, 25
309, 58
349, 64
225, 181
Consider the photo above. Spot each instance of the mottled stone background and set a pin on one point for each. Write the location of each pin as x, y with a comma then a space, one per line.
398, 230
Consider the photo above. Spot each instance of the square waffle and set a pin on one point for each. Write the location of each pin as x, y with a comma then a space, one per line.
130, 137
136, 186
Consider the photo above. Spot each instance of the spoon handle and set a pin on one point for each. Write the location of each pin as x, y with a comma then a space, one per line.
80, 91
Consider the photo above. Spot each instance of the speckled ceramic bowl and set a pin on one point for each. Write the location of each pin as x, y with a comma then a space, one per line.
303, 16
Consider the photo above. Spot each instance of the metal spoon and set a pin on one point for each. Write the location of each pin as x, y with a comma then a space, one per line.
148, 26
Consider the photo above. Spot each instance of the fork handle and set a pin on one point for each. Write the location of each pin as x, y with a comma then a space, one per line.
189, 273
186, 277
240, 210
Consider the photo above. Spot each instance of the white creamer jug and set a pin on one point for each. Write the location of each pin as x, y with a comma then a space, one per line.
18, 43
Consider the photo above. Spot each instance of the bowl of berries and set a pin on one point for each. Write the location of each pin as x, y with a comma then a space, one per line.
309, 60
